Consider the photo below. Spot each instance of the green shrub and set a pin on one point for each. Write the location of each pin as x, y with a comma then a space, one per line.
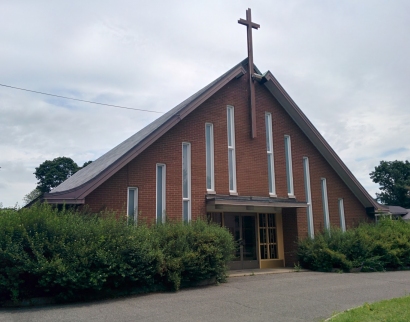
194, 252
369, 247
70, 256
63, 254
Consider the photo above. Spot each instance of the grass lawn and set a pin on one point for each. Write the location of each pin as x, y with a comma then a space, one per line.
396, 310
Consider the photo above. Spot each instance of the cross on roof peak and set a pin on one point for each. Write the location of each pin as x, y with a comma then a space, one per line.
248, 21
249, 24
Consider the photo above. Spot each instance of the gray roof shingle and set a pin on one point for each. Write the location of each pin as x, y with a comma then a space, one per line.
105, 161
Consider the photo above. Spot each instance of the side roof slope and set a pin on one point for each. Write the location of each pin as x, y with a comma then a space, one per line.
77, 187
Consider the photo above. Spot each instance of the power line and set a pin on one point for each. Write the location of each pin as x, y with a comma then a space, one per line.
76, 99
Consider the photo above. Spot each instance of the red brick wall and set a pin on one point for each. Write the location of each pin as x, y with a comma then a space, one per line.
251, 164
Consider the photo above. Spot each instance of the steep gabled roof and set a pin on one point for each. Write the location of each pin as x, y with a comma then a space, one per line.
77, 187
318, 140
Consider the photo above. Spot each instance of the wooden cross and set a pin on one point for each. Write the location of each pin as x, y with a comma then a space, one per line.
249, 24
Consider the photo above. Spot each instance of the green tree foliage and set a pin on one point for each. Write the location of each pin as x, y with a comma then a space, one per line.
51, 173
31, 196
394, 180
85, 164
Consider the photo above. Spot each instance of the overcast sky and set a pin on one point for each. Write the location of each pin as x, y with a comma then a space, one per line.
345, 63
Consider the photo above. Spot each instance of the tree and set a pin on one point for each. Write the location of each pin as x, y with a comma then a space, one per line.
85, 164
31, 196
51, 173
394, 180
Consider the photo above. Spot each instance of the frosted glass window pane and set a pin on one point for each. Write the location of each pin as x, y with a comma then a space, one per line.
185, 171
342, 215
208, 157
131, 205
185, 210
230, 165
229, 127
309, 210
268, 136
159, 194
325, 204
270, 173
287, 164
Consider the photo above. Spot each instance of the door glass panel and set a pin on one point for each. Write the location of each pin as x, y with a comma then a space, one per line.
232, 223
264, 252
262, 233
243, 229
272, 235
262, 221
273, 251
214, 217
267, 236
248, 238
271, 220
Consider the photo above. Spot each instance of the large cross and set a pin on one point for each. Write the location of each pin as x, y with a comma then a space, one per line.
249, 24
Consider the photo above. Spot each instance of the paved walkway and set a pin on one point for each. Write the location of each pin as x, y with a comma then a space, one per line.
264, 271
304, 296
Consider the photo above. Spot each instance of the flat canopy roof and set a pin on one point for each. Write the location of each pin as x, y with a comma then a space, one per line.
254, 201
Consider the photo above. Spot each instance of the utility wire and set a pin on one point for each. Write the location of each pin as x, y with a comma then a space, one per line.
76, 99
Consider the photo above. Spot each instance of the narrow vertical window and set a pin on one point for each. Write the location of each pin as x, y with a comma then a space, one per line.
325, 204
309, 210
132, 204
289, 171
342, 215
160, 212
269, 151
186, 182
209, 145
231, 150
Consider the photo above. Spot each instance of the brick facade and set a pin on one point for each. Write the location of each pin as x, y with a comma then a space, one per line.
251, 166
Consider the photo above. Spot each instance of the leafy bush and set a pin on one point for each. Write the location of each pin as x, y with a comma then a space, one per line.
369, 247
194, 252
70, 256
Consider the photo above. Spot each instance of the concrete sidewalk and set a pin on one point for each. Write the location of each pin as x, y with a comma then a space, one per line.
307, 296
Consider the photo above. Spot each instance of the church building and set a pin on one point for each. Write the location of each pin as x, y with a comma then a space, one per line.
240, 153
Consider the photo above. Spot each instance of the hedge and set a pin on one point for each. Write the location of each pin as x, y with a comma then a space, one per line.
369, 247
67, 255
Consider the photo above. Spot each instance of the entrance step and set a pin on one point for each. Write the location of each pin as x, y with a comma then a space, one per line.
252, 272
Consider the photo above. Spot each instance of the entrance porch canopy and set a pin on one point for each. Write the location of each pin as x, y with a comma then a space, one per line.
218, 201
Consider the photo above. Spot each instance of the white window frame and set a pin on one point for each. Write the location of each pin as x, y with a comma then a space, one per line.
325, 203
342, 214
231, 150
308, 192
163, 183
134, 215
270, 155
289, 171
186, 195
209, 158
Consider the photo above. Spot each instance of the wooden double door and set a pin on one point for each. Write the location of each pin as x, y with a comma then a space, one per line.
243, 226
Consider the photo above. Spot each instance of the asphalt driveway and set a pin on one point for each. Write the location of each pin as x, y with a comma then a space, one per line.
304, 296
